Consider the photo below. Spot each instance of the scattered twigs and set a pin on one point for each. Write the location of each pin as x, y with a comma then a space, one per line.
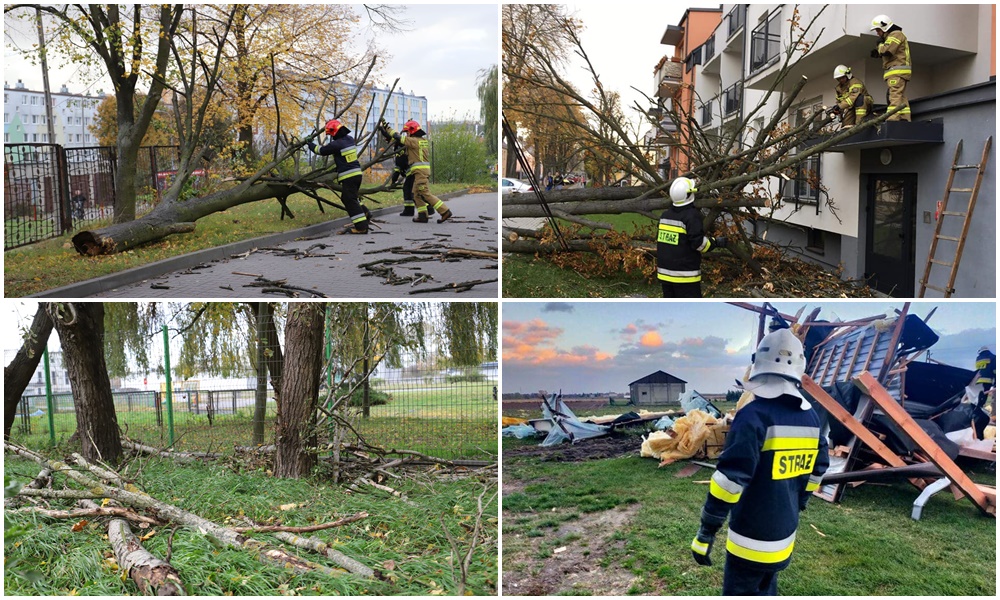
457, 557
178, 456
321, 547
462, 286
103, 473
70, 494
304, 529
43, 479
151, 575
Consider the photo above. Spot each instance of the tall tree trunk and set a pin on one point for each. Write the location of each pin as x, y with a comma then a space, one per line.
294, 455
80, 326
17, 375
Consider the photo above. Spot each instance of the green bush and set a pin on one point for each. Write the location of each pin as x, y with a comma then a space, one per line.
466, 378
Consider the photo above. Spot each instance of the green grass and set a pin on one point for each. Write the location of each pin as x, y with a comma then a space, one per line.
412, 538
449, 421
869, 545
54, 263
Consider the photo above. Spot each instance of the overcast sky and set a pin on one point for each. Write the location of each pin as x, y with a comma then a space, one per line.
439, 57
624, 45
603, 346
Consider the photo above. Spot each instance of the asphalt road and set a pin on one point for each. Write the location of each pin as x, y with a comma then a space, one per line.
318, 262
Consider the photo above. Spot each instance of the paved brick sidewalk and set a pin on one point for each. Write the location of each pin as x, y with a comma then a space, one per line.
319, 260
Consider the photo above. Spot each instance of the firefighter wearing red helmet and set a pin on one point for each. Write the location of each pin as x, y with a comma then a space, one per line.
418, 152
340, 144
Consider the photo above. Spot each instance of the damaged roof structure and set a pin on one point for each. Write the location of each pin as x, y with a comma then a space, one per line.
887, 414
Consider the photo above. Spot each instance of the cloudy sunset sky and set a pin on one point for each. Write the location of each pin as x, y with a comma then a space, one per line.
603, 346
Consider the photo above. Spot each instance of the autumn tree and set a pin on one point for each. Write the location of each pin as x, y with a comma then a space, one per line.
278, 66
133, 45
105, 124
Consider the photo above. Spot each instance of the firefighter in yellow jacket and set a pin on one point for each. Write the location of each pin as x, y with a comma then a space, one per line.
853, 100
418, 151
894, 50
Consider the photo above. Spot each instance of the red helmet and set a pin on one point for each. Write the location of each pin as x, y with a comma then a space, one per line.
410, 127
332, 127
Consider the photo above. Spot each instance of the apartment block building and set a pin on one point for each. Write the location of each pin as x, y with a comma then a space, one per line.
25, 120
875, 211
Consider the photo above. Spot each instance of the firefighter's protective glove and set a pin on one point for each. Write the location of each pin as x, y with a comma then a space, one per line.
722, 242
701, 545
312, 146
876, 53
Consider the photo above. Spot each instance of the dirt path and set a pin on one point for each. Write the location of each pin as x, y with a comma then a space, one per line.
574, 566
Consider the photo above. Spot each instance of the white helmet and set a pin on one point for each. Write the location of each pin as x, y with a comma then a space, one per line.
841, 71
682, 191
779, 353
882, 22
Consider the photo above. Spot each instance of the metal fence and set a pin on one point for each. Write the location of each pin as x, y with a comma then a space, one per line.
50, 190
421, 405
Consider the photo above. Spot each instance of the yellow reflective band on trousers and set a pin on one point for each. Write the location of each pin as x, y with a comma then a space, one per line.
813, 484
349, 174
724, 488
439, 204
359, 219
790, 437
678, 276
759, 551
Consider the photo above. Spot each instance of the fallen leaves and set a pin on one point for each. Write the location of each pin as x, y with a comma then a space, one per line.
79, 525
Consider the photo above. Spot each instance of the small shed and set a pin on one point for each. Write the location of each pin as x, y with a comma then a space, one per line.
657, 388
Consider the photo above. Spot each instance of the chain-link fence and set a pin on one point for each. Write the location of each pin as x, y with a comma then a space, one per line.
421, 405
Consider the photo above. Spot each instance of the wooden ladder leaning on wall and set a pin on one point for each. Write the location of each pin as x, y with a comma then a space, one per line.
966, 216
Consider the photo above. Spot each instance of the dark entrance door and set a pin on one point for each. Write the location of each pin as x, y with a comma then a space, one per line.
892, 226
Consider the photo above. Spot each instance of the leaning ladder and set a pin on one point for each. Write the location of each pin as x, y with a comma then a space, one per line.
967, 219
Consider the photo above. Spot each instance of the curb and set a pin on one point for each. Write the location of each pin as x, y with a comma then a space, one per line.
93, 287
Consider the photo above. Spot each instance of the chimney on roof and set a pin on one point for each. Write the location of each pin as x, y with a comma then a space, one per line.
64, 89
20, 85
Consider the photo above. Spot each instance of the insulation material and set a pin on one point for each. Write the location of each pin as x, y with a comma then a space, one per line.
696, 434
990, 433
507, 421
520, 432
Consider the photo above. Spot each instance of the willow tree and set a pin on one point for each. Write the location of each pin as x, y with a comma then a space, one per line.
487, 89
18, 373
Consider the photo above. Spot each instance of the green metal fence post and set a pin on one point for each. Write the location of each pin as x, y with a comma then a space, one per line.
169, 396
48, 397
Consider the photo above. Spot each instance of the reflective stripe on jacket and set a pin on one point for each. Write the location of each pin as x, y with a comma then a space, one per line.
345, 156
854, 96
773, 459
895, 51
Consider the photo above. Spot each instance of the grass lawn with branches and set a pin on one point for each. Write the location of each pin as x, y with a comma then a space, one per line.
867, 545
407, 543
54, 263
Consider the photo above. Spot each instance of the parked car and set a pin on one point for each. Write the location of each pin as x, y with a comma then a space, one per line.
514, 186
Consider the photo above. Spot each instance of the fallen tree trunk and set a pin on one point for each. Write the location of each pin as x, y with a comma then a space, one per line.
173, 216
302, 529
532, 246
17, 375
321, 547
150, 574
609, 201
223, 537
93, 511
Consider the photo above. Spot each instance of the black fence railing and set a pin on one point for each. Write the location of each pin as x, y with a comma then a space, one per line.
50, 190
765, 42
732, 98
709, 47
706, 113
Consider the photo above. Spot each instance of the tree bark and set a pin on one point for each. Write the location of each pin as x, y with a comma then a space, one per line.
295, 455
607, 201
321, 547
150, 574
17, 375
81, 333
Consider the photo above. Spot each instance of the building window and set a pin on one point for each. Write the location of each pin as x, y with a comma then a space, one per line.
6, 117
710, 48
24, 98
804, 187
34, 100
816, 241
692, 59
34, 137
732, 97
706, 113
765, 42
34, 118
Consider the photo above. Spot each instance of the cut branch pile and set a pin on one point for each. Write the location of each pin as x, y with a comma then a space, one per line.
151, 574
425, 253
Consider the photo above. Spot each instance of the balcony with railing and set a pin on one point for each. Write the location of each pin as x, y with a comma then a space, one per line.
668, 77
713, 59
734, 20
765, 43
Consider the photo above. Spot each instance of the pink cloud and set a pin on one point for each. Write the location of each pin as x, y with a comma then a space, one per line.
651, 339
